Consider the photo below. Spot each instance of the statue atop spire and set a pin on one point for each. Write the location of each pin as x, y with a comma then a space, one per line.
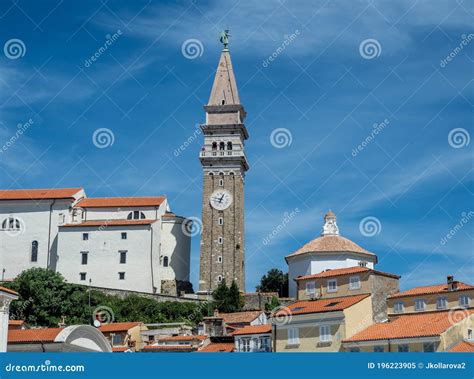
224, 38
330, 227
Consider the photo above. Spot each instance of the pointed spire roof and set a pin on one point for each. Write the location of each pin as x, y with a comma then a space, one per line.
224, 90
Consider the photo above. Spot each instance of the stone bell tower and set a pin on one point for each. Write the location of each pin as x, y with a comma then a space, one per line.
224, 165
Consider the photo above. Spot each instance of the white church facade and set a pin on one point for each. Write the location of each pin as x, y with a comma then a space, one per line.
123, 243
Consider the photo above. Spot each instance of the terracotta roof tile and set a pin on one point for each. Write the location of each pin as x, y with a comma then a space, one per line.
257, 329
182, 338
319, 306
118, 326
106, 223
39, 194
463, 347
425, 324
16, 322
119, 349
330, 244
345, 271
33, 335
240, 317
427, 290
123, 202
169, 348
218, 347
8, 290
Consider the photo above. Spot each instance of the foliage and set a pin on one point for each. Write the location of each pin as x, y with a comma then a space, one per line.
45, 297
228, 299
274, 281
274, 303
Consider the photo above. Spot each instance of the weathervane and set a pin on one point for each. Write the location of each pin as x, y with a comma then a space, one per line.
224, 38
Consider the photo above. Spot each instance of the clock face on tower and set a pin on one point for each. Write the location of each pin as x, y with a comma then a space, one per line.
221, 199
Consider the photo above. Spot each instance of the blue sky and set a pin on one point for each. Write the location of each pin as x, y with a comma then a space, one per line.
324, 89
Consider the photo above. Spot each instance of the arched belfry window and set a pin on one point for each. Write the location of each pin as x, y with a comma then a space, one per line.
222, 146
214, 146
34, 251
136, 215
11, 223
229, 145
165, 261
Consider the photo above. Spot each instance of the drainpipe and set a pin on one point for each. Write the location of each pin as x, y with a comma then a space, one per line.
49, 231
274, 337
151, 260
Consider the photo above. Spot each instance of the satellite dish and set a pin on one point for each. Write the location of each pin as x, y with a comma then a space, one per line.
96, 323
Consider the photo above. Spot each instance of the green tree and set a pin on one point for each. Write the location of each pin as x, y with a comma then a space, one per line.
274, 281
227, 299
274, 303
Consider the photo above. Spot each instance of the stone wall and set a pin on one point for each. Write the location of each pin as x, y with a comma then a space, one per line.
382, 287
257, 300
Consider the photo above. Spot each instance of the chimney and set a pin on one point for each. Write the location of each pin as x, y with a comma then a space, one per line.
216, 312
452, 285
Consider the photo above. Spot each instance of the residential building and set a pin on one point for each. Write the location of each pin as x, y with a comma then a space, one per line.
6, 297
320, 325
186, 343
415, 332
124, 336
223, 324
451, 295
463, 347
328, 251
218, 347
75, 338
350, 281
17, 325
124, 243
253, 339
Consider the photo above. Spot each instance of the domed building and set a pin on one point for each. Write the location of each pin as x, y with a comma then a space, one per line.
327, 252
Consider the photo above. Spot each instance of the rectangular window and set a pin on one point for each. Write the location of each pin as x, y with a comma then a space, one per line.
220, 240
310, 288
124, 236
355, 350
403, 348
84, 256
121, 276
82, 276
325, 333
332, 285
221, 182
378, 349
398, 307
354, 283
123, 257
469, 334
429, 347
85, 236
219, 259
245, 345
220, 221
293, 336
441, 303
117, 339
420, 305
464, 301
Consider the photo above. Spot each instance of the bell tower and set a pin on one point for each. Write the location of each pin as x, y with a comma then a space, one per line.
222, 255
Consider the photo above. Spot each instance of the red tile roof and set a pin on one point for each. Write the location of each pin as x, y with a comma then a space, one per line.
463, 347
182, 338
346, 271
8, 290
33, 335
218, 347
119, 349
240, 317
16, 322
319, 306
123, 202
39, 194
169, 348
118, 326
427, 324
106, 223
428, 290
257, 329
331, 244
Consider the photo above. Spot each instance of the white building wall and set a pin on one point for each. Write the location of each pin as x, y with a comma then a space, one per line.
117, 213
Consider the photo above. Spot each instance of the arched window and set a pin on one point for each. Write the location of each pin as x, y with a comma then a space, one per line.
136, 215
214, 146
165, 261
34, 251
229, 145
11, 223
223, 102
222, 146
